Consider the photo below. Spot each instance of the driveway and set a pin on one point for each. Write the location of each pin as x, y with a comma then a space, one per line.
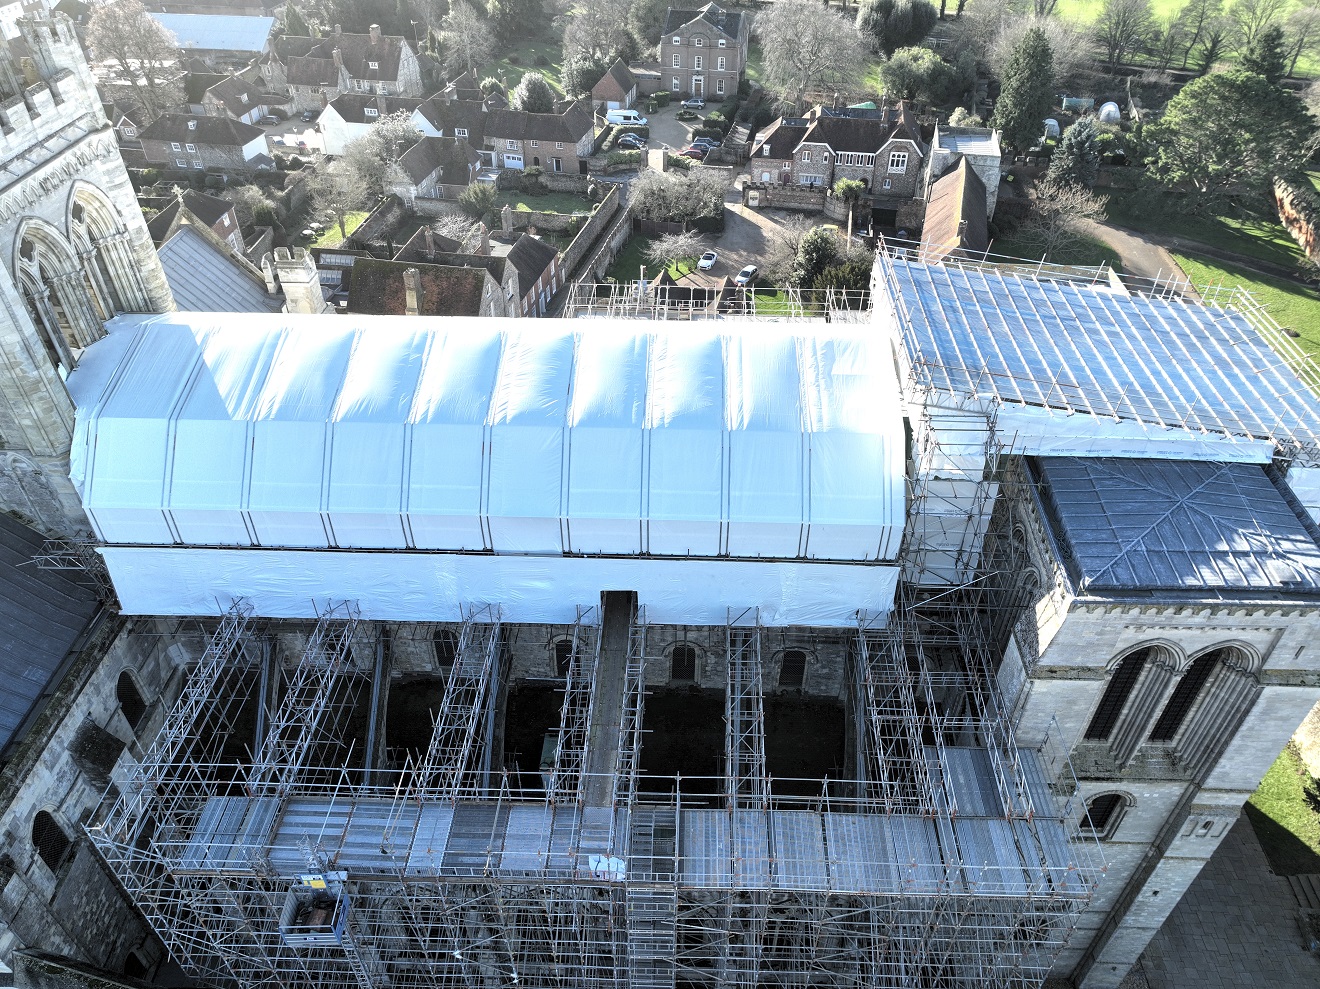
747, 235
290, 132
668, 131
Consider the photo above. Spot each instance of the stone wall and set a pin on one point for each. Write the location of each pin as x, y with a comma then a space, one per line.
382, 221
589, 232
790, 197
1299, 212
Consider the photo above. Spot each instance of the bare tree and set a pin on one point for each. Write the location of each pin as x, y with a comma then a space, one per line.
1122, 27
335, 192
780, 257
469, 40
1251, 17
457, 227
808, 49
1192, 21
252, 204
1303, 33
669, 249
430, 14
597, 29
370, 157
1059, 218
1071, 46
144, 54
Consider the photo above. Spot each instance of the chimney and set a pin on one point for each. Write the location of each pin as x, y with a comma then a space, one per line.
339, 59
962, 230
429, 235
298, 279
412, 287
484, 247
375, 34
338, 30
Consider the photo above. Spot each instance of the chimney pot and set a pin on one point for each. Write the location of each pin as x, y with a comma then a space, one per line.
412, 287
375, 33
338, 30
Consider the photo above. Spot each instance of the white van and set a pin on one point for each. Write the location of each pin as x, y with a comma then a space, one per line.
630, 117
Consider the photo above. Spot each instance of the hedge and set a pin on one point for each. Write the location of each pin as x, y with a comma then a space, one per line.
662, 98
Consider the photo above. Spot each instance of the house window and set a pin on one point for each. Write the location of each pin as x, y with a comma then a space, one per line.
559, 145
723, 43
130, 132
557, 164
50, 841
886, 184
698, 41
384, 89
683, 664
811, 180
765, 151
536, 144
696, 62
445, 644
191, 148
792, 669
371, 111
130, 700
511, 145
243, 97
563, 656
675, 61
460, 132
678, 41
675, 86
197, 164
180, 163
720, 62
1101, 814
225, 219
898, 161
174, 146
806, 156
719, 87
373, 65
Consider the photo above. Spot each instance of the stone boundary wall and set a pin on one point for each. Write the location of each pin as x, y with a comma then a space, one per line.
1299, 212
383, 219
586, 237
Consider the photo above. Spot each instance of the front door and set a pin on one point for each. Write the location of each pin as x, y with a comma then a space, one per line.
698, 86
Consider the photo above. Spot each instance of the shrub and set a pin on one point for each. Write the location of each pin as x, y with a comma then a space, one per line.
623, 158
762, 118
686, 115
662, 98
745, 88
531, 182
714, 133
678, 161
513, 59
541, 61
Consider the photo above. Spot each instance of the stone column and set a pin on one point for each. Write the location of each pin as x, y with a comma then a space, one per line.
83, 324
105, 294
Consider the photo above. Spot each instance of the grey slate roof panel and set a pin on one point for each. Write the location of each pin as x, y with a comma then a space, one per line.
42, 614
204, 280
1176, 524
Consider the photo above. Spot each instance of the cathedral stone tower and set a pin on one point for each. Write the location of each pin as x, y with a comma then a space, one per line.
75, 252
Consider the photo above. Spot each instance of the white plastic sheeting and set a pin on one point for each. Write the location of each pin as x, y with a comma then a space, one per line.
511, 436
414, 587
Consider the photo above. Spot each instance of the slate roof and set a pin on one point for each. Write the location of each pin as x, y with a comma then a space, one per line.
218, 131
203, 279
531, 256
352, 107
311, 60
415, 248
615, 84
237, 96
518, 125
42, 615
452, 156
677, 18
444, 115
1177, 525
377, 289
783, 137
206, 208
955, 215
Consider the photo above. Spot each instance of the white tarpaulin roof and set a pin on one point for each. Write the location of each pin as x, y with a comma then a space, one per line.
511, 436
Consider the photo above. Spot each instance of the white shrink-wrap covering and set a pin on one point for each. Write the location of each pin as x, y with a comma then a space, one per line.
415, 587
547, 437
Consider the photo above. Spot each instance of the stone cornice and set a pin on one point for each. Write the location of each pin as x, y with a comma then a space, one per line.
61, 165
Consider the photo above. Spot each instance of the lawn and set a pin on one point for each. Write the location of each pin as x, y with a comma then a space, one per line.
551, 202
1284, 813
1253, 234
1293, 305
331, 237
1088, 253
627, 266
519, 58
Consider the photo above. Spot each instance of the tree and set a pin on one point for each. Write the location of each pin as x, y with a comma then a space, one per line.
335, 191
1076, 160
1214, 43
1251, 18
669, 249
580, 73
1266, 55
1028, 91
852, 275
850, 191
468, 39
962, 117
144, 54
294, 25
479, 200
914, 73
1190, 24
598, 29
512, 18
1303, 34
370, 157
646, 19
781, 254
675, 198
533, 94
1123, 25
818, 250
1072, 47
807, 49
1060, 216
895, 24
429, 14
253, 205
1228, 135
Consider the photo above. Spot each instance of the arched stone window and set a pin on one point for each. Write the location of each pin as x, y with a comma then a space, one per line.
445, 644
683, 663
1183, 697
47, 272
130, 700
792, 669
101, 239
50, 840
1137, 686
134, 966
1205, 706
563, 656
1103, 813
1121, 684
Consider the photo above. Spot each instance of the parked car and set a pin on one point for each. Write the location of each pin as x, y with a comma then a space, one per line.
698, 153
695, 103
631, 141
746, 276
310, 115
708, 260
709, 143
270, 120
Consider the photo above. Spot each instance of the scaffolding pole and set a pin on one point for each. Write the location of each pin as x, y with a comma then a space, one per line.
628, 760
566, 781
746, 784
456, 734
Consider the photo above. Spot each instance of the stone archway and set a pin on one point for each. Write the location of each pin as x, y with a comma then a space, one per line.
101, 239
53, 284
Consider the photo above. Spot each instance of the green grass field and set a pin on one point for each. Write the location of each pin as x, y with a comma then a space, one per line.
626, 267
1293, 305
331, 236
549, 46
1283, 813
551, 202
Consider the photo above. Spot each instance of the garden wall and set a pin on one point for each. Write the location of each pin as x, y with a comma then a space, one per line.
383, 220
1299, 212
591, 230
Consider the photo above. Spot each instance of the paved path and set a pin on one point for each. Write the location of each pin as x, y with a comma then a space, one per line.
1141, 255
1236, 927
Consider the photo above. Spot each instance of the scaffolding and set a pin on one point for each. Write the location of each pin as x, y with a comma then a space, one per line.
566, 779
643, 300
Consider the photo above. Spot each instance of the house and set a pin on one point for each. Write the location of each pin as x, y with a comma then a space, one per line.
425, 245
539, 273
464, 87
704, 52
650, 78
220, 40
399, 289
182, 140
978, 145
218, 215
882, 148
434, 168
126, 121
956, 222
556, 142
617, 89
351, 115
235, 97
315, 71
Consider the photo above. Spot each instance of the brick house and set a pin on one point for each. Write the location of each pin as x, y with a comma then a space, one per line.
882, 148
539, 274
218, 214
617, 89
182, 140
703, 52
397, 289
555, 142
314, 71
434, 168
237, 98
351, 115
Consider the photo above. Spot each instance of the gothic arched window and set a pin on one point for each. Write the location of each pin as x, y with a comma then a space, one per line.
1121, 683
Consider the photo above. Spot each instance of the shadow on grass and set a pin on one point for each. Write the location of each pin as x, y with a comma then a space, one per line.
1288, 855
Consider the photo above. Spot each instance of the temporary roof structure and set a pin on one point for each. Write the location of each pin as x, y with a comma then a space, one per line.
715, 440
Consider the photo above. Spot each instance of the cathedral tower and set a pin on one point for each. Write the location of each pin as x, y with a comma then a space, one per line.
75, 252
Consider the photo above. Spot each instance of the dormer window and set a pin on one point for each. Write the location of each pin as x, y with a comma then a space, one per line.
678, 41
765, 151
192, 125
243, 97
699, 42
371, 111
460, 132
723, 43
